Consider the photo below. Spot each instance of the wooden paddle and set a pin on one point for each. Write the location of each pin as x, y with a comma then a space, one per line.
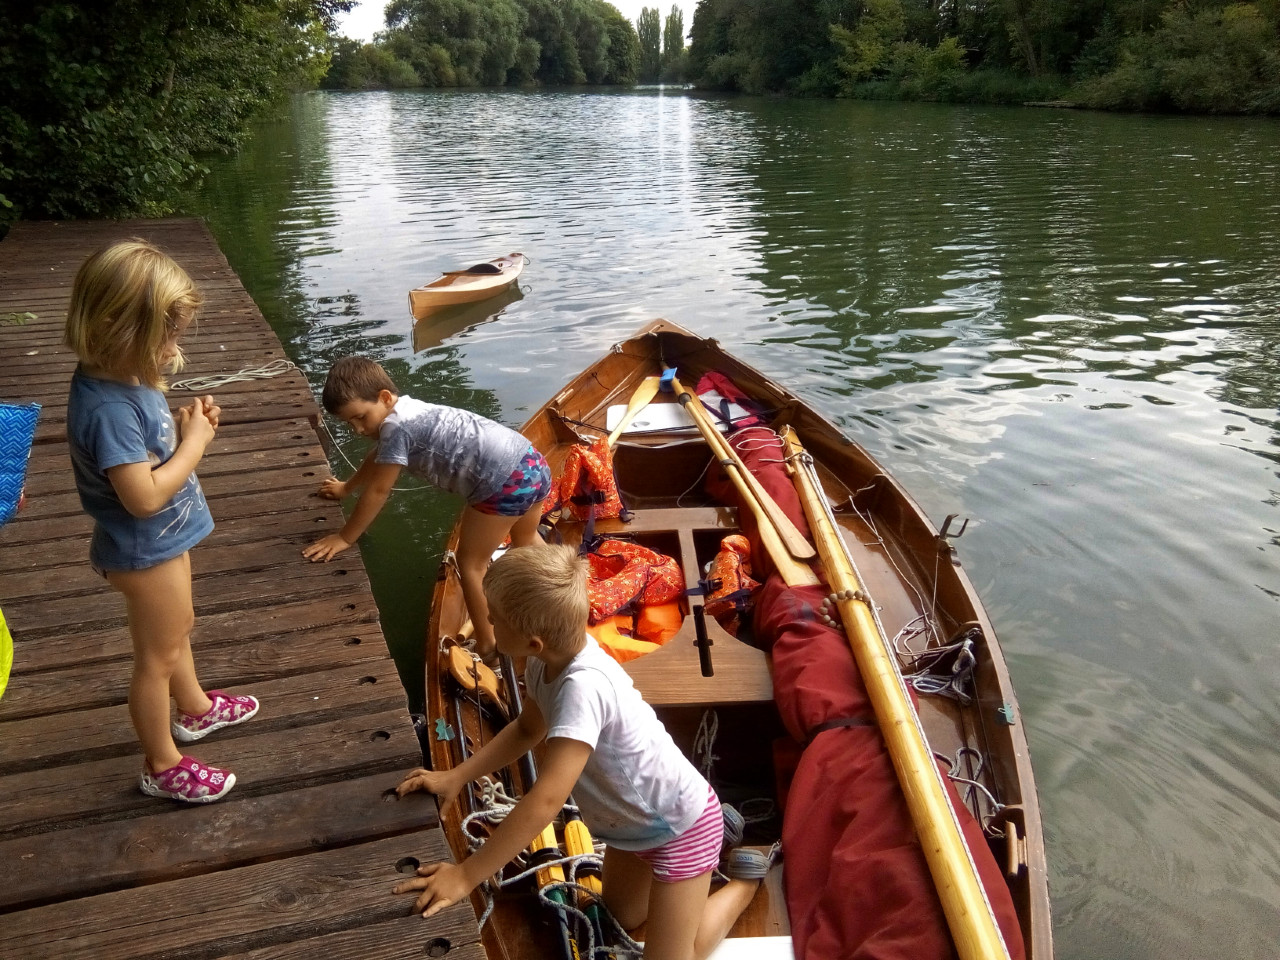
796, 543
793, 573
473, 676
644, 392
969, 915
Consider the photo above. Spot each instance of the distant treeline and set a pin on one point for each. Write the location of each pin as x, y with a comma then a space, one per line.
1202, 56
467, 43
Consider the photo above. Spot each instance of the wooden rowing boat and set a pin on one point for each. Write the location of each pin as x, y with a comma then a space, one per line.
767, 744
478, 282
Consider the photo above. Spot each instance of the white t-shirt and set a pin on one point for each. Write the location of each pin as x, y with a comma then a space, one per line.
638, 790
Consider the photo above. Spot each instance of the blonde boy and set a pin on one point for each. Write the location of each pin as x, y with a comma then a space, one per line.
661, 820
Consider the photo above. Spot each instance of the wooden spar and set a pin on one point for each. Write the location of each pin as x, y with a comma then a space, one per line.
793, 573
796, 543
646, 391
968, 912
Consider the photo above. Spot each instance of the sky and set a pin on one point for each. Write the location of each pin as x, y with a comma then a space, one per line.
365, 19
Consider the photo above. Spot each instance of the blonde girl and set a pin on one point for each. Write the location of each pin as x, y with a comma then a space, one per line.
134, 469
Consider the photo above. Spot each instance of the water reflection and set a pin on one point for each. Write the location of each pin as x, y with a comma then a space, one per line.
449, 322
1063, 325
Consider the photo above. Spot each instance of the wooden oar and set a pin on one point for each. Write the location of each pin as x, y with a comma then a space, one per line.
968, 912
796, 543
646, 391
793, 573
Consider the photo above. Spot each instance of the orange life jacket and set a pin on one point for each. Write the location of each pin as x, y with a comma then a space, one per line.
587, 480
623, 574
729, 583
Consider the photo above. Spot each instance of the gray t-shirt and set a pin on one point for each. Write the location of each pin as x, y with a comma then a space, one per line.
637, 791
454, 449
110, 424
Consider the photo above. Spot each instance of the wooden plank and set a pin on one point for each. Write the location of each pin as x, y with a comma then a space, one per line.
246, 909
49, 867
301, 582
306, 623
373, 942
84, 686
368, 685
289, 759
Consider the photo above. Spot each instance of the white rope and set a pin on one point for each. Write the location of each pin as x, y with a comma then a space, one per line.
275, 368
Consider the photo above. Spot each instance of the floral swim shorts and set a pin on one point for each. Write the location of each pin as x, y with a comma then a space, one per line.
529, 483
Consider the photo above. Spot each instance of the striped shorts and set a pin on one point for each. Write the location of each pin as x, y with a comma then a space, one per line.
529, 483
694, 852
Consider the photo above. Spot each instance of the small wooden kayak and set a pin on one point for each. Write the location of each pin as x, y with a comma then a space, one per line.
779, 715
478, 282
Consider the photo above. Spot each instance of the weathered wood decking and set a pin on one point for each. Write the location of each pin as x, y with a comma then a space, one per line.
300, 858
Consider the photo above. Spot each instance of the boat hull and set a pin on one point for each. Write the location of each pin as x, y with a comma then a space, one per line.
909, 569
466, 286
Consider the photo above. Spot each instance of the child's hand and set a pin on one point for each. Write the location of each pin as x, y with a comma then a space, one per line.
443, 784
332, 489
441, 884
194, 425
211, 410
325, 549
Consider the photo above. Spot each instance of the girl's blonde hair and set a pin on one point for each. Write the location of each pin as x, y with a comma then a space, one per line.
126, 301
541, 590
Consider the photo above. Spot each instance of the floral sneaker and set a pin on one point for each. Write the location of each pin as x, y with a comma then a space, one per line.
226, 711
190, 781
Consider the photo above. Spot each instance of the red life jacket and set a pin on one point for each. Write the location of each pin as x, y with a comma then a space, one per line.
624, 573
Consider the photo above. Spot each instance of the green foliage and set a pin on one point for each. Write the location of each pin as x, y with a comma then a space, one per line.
649, 32
358, 66
1206, 60
1193, 55
673, 56
457, 43
105, 108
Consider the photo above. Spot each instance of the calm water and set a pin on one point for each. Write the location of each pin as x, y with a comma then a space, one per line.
1065, 326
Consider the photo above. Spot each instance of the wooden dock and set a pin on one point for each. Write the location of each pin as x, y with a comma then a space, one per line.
300, 858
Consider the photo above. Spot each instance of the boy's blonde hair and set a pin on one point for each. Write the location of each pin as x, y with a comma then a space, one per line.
354, 378
126, 301
541, 590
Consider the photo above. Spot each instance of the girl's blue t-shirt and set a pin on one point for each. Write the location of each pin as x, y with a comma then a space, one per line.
110, 424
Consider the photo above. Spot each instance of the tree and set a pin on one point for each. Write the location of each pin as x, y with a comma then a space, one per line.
673, 35
649, 32
104, 108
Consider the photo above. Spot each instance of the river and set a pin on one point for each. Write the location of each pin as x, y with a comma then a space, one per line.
1063, 325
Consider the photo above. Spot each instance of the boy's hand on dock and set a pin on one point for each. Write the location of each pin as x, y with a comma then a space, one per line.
442, 784
325, 549
441, 884
332, 489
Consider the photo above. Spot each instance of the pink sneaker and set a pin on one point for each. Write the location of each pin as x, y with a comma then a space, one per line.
190, 781
226, 711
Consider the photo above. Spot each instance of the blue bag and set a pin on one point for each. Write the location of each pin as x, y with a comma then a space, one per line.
17, 433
